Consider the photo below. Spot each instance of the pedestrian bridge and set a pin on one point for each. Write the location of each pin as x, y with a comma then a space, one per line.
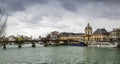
33, 42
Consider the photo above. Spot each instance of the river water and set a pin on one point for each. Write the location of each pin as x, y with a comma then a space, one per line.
59, 55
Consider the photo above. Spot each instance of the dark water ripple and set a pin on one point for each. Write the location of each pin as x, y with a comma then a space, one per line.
59, 55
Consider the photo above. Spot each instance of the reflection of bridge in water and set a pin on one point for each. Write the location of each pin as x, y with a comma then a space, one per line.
33, 42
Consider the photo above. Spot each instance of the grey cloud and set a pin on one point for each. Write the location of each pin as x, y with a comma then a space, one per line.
65, 15
40, 12
91, 8
19, 5
70, 5
16, 5
94, 8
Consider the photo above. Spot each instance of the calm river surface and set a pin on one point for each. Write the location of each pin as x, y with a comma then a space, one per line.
59, 55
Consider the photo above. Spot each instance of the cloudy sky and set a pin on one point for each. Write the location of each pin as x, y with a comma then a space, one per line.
40, 17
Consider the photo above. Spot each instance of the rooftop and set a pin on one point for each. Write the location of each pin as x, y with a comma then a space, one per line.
101, 31
69, 34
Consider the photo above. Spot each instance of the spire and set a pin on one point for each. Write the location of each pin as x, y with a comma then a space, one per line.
88, 24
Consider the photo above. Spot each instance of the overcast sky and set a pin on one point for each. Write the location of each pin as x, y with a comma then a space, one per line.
40, 17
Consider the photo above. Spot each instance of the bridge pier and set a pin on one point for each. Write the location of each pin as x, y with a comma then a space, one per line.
4, 46
19, 45
45, 43
33, 44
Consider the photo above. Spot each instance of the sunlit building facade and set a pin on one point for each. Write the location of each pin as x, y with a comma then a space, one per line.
99, 34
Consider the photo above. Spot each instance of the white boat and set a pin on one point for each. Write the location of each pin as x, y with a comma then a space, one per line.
103, 44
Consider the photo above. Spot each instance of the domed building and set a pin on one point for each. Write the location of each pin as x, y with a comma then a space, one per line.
88, 37
88, 33
88, 29
98, 35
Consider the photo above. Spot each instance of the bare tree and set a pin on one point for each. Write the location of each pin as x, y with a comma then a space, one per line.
3, 22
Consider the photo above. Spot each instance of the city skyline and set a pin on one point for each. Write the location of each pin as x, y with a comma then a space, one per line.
40, 17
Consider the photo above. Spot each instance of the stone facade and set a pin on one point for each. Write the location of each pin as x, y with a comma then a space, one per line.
71, 36
98, 35
88, 36
114, 35
88, 33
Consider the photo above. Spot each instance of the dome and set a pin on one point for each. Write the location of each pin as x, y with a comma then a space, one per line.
88, 27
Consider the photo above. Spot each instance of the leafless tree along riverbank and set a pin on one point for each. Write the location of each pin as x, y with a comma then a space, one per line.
3, 23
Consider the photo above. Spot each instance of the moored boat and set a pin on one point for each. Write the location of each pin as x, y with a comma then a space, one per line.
78, 44
103, 44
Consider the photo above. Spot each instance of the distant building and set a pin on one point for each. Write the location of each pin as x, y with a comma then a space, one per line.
88, 33
53, 35
100, 35
88, 36
71, 36
27, 38
11, 38
22, 37
114, 34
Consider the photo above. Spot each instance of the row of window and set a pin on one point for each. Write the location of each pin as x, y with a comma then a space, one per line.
100, 39
88, 32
